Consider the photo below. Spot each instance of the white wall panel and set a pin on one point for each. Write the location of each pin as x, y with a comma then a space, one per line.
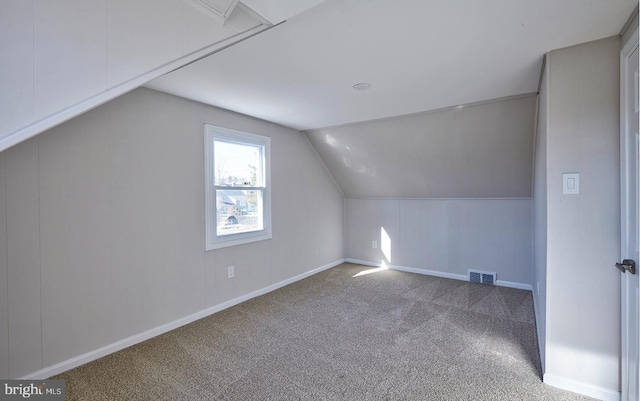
435, 250
283, 193
253, 268
16, 64
70, 53
55, 247
413, 219
492, 235
23, 257
183, 175
89, 233
157, 216
217, 287
299, 196
4, 285
111, 205
520, 231
583, 231
449, 236
364, 220
127, 159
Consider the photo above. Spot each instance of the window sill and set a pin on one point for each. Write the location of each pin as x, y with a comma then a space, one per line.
237, 241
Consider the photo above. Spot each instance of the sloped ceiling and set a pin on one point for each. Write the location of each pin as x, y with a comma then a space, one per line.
476, 151
276, 11
417, 55
60, 59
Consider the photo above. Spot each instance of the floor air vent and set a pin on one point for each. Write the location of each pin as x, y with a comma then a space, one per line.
481, 277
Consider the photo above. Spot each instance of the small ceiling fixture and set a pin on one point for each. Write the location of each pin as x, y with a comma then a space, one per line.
363, 86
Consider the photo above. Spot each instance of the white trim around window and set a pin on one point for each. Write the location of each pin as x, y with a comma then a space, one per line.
237, 187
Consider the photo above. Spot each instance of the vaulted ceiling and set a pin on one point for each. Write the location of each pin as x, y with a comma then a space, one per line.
477, 151
416, 55
60, 59
462, 72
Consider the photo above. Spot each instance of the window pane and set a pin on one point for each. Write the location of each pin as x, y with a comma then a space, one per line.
237, 165
237, 194
238, 211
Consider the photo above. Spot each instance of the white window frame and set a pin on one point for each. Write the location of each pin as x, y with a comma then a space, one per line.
213, 133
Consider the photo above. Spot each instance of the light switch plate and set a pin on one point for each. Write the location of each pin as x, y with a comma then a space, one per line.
571, 183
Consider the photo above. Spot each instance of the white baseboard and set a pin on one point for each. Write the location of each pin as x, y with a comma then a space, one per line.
362, 262
511, 284
140, 337
425, 272
589, 390
410, 269
436, 273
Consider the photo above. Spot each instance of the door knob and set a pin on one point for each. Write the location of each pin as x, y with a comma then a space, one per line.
627, 265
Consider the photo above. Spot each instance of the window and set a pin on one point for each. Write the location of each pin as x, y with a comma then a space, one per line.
237, 187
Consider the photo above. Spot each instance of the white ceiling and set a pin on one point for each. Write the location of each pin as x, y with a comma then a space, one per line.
277, 11
417, 55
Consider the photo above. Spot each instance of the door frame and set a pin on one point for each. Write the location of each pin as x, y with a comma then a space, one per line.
625, 161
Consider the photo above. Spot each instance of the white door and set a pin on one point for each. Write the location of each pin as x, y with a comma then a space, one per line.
630, 223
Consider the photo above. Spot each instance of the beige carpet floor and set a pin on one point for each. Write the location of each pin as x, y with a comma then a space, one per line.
338, 335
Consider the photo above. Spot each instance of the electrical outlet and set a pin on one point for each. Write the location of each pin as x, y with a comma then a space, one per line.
374, 244
230, 272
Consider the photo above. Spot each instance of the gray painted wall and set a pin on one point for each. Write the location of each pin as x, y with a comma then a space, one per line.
102, 227
540, 217
444, 236
583, 231
4, 279
478, 151
393, 170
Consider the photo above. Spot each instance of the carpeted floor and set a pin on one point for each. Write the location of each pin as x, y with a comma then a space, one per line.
338, 335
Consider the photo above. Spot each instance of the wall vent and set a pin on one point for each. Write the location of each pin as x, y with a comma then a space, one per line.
482, 277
